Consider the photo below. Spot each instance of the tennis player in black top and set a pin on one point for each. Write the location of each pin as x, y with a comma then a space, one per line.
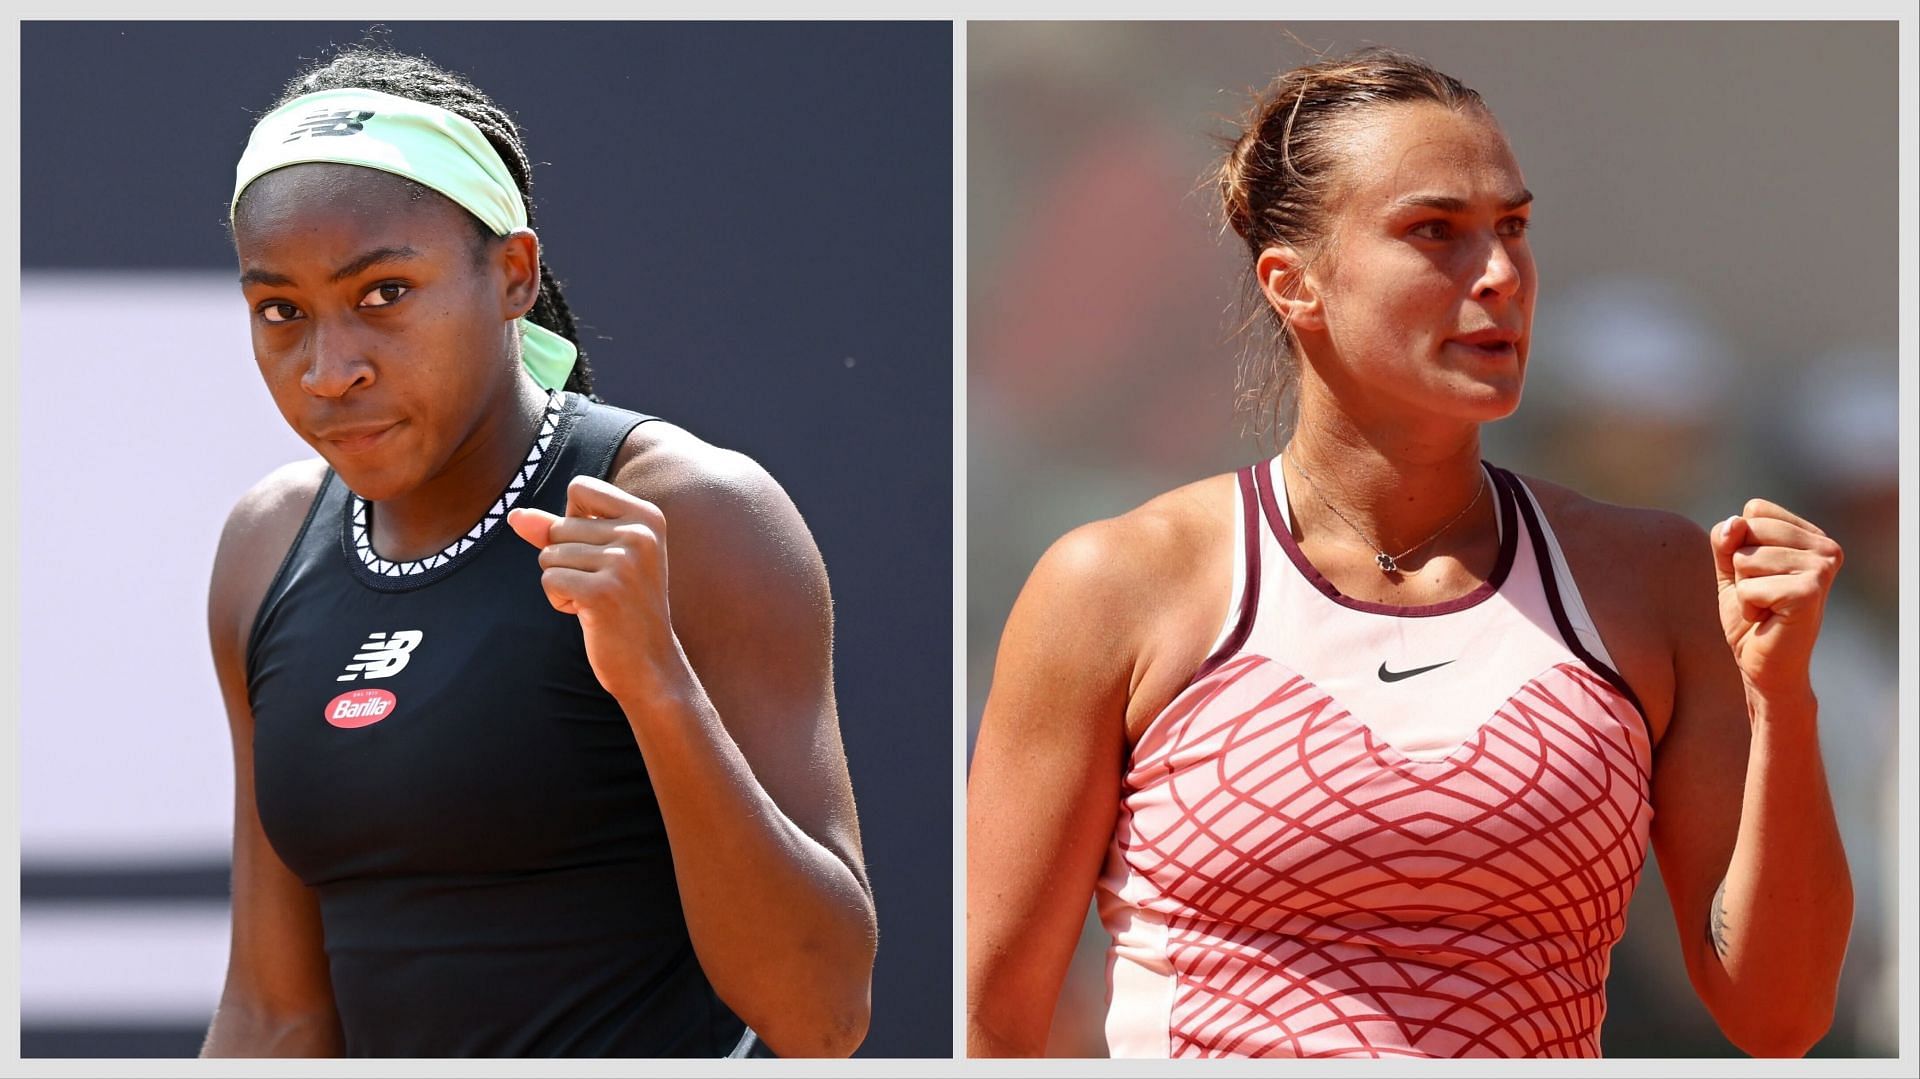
495, 794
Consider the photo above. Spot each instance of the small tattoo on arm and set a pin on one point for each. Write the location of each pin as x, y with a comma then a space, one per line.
1717, 920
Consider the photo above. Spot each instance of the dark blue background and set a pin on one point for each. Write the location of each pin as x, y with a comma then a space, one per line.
753, 223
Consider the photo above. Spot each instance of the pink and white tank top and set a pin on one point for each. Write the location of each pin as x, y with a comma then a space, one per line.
1367, 830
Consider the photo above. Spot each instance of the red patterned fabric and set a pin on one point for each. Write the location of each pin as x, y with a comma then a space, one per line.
1297, 886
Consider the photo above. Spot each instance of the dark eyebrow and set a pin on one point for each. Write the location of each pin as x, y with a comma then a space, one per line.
1451, 205
359, 265
373, 258
264, 277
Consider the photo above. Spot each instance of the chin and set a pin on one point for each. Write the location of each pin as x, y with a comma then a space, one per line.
1495, 408
1481, 399
374, 481
1478, 410
388, 468
1499, 401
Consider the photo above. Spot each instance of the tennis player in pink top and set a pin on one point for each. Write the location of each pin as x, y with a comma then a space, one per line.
1360, 749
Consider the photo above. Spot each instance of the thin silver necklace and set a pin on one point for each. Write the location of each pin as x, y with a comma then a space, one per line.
1390, 563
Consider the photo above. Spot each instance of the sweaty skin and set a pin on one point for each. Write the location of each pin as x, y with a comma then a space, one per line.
1412, 326
386, 338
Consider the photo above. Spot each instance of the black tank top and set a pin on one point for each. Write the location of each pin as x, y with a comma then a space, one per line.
434, 757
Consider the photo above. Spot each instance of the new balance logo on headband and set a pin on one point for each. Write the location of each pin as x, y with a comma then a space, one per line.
337, 122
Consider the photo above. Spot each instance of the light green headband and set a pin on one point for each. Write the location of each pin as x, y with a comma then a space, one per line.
422, 142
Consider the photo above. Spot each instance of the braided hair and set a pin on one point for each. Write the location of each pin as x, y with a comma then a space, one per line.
372, 66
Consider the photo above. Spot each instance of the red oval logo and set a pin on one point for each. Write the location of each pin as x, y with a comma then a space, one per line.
360, 708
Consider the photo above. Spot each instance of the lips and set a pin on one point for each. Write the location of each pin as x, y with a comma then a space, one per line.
1490, 339
356, 438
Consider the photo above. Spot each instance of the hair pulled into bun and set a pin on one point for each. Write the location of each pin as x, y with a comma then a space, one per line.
1277, 181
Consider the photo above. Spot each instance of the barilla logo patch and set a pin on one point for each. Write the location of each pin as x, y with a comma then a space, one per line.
360, 708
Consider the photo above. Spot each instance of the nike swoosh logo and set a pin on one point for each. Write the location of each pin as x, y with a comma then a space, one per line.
1395, 676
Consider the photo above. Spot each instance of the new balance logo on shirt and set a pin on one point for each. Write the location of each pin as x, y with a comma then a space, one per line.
383, 656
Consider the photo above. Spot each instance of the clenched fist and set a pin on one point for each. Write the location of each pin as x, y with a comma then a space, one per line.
1774, 572
606, 562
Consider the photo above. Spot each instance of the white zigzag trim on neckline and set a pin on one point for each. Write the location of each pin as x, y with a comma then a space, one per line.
362, 535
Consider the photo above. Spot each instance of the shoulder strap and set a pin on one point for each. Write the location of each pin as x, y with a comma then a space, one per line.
599, 432
1247, 570
1548, 565
328, 505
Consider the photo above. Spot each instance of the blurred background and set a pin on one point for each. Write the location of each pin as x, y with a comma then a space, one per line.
752, 222
1716, 231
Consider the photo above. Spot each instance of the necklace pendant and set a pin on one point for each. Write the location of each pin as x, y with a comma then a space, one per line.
1386, 563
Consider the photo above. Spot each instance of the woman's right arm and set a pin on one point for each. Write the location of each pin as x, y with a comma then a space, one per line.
278, 998
1045, 780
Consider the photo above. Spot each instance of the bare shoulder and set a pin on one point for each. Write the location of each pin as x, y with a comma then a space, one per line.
285, 492
263, 523
690, 478
260, 528
661, 460
1646, 577
1157, 549
1143, 592
732, 532
1663, 547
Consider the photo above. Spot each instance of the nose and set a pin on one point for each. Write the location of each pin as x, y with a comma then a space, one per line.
336, 364
1500, 276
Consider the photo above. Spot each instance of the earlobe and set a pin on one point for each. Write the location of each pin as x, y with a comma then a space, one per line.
519, 262
1282, 273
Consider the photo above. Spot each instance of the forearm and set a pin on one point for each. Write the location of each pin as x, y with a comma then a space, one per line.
1777, 929
783, 927
1012, 989
241, 1031
1017, 959
1004, 1036
1034, 851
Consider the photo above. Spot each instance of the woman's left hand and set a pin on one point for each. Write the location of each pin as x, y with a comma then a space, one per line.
1774, 571
606, 562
